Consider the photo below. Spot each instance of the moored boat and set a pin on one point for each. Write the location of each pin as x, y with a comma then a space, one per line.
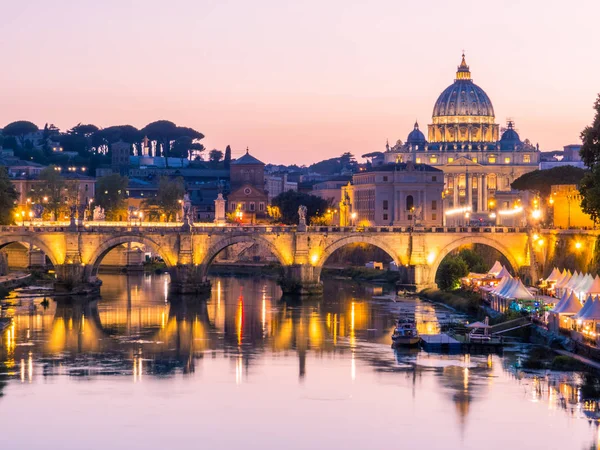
405, 333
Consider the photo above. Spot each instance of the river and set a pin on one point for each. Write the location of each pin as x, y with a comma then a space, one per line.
244, 370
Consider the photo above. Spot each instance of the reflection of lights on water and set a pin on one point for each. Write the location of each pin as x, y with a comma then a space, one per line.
239, 367
162, 319
489, 361
166, 289
30, 367
137, 367
335, 327
352, 335
264, 313
353, 367
240, 319
466, 378
82, 323
22, 370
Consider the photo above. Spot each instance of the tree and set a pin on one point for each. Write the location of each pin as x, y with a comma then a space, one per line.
542, 180
86, 130
54, 193
8, 197
590, 155
474, 260
111, 194
227, 160
19, 130
451, 270
215, 156
288, 203
168, 198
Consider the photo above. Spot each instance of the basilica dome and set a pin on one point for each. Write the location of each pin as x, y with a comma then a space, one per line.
416, 136
463, 97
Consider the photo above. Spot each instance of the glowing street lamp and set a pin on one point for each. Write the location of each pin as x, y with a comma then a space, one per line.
353, 217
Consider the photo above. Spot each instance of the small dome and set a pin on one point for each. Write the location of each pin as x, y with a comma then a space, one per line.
510, 138
416, 137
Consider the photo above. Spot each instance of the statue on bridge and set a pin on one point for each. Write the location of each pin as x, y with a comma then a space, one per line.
98, 214
302, 218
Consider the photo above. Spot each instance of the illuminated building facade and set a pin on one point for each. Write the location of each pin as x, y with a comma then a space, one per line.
477, 157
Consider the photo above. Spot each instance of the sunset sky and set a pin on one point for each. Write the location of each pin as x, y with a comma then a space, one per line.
297, 81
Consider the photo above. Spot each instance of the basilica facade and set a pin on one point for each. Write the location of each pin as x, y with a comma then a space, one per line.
477, 158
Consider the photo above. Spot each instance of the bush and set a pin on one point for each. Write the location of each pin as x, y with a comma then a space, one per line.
565, 363
452, 269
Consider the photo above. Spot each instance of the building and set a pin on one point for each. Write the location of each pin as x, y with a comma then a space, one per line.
565, 201
568, 157
247, 181
276, 184
331, 190
401, 194
477, 157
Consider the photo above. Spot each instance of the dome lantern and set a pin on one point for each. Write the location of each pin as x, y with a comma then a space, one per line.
463, 72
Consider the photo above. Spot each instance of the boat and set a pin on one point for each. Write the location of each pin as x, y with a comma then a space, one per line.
405, 333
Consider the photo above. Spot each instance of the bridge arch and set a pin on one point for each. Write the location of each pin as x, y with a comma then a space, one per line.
355, 239
107, 246
220, 245
35, 241
504, 251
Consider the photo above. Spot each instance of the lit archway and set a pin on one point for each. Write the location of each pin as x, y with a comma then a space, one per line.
32, 241
323, 256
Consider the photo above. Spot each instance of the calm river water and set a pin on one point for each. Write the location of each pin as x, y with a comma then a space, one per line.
244, 370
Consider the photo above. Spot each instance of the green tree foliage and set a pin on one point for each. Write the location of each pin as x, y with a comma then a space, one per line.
474, 260
54, 193
451, 270
334, 165
165, 132
168, 198
227, 160
590, 154
8, 197
542, 180
288, 203
215, 156
111, 194
19, 130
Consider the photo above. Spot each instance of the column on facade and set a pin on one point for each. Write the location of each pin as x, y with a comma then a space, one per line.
479, 192
484, 192
469, 186
455, 179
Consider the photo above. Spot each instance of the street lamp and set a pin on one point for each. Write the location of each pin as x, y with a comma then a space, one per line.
353, 217
30, 217
23, 217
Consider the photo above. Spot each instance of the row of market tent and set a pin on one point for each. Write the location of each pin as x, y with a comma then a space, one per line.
579, 306
506, 287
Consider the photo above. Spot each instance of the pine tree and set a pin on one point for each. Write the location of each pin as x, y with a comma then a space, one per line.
227, 160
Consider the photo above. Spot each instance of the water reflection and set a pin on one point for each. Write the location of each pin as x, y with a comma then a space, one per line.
135, 332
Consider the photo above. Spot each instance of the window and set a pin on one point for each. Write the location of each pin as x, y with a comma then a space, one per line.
451, 159
492, 159
252, 207
526, 158
86, 188
261, 206
474, 159
418, 160
232, 207
434, 216
492, 182
434, 205
385, 217
385, 204
385, 178
243, 206
434, 178
433, 159
507, 160
410, 202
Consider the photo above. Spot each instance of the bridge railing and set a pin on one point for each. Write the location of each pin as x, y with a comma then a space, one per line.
162, 227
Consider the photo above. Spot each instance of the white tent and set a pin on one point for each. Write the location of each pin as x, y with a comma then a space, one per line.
506, 287
583, 285
518, 291
500, 285
592, 313
571, 306
495, 270
574, 281
586, 306
554, 275
561, 302
563, 280
504, 273
594, 288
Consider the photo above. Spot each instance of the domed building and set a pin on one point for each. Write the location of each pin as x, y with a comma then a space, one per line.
478, 158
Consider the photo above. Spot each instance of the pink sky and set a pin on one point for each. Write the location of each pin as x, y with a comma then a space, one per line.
297, 81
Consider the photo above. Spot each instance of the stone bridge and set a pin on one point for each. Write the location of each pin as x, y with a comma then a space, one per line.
76, 251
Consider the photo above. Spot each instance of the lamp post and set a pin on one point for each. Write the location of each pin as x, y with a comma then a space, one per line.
353, 217
30, 217
23, 217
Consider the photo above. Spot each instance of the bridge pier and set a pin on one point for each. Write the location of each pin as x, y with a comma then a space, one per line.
420, 275
72, 278
301, 279
188, 279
